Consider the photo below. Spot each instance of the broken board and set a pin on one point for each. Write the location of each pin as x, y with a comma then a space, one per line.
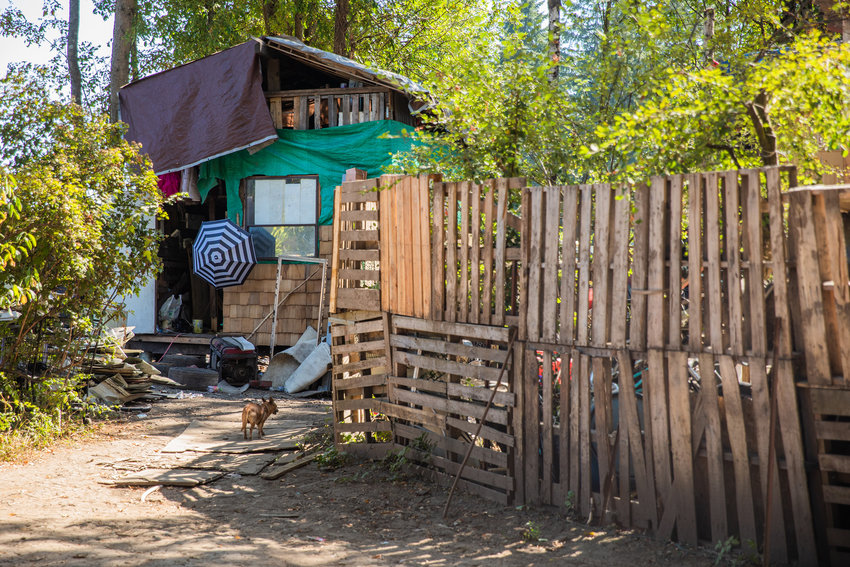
244, 464
225, 436
172, 477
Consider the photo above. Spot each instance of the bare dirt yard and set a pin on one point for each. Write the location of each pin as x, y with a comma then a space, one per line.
56, 510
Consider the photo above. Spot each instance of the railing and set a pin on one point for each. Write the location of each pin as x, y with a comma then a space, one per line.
297, 109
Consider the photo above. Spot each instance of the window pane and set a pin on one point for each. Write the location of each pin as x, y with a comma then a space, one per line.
273, 241
299, 203
268, 201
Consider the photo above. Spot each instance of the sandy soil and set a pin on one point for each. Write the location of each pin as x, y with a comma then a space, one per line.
54, 510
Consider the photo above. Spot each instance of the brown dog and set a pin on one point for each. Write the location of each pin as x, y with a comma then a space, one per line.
255, 414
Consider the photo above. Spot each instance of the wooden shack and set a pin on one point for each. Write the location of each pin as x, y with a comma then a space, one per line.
266, 147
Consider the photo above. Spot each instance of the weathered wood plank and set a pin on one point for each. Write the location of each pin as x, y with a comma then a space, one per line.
601, 272
551, 244
537, 219
472, 332
438, 250
585, 219
732, 246
489, 222
680, 440
451, 253
447, 348
620, 277
640, 256
568, 268
655, 273
463, 291
475, 254
499, 256
740, 453
695, 304
714, 302
714, 449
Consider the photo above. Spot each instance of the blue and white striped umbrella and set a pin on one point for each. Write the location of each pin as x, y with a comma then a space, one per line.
223, 253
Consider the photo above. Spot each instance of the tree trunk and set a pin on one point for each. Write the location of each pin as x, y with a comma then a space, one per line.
554, 38
341, 27
269, 11
123, 44
757, 111
73, 58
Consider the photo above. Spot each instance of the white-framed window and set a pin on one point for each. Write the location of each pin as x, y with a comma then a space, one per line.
282, 213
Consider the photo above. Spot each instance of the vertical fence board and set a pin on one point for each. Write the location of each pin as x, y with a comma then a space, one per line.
602, 414
789, 422
713, 303
733, 273
463, 291
451, 254
487, 292
417, 273
601, 265
674, 304
680, 443
620, 277
584, 264
695, 262
568, 268
714, 449
637, 321
534, 264
551, 243
584, 435
499, 260
740, 453
531, 414
474, 254
546, 433
438, 249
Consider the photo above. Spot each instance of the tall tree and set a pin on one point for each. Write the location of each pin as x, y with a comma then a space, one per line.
72, 51
342, 12
123, 44
554, 37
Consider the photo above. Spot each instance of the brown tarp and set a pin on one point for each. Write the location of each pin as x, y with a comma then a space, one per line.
198, 111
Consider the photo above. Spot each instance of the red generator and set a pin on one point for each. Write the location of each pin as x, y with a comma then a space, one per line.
234, 358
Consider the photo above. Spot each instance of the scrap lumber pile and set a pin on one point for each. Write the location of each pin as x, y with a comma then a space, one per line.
120, 376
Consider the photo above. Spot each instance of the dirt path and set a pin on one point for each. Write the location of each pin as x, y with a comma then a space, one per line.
55, 511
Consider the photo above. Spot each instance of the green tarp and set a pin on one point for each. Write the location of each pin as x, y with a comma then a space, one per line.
328, 153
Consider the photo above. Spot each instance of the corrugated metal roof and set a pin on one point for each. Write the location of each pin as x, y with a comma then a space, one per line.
319, 57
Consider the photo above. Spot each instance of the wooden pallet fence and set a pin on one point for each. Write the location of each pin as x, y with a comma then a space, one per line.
818, 242
405, 245
669, 279
475, 272
360, 354
443, 374
355, 265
